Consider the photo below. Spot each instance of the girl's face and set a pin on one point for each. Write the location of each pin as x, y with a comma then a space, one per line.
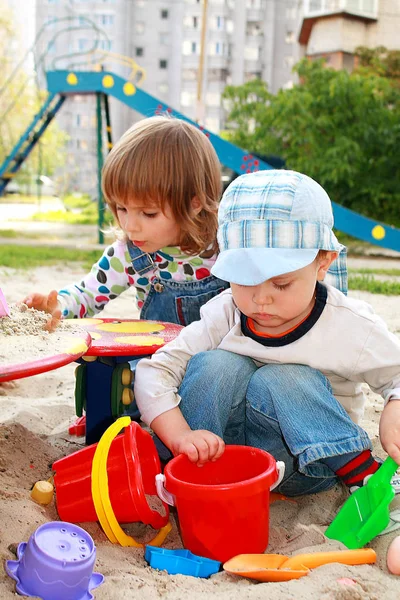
147, 226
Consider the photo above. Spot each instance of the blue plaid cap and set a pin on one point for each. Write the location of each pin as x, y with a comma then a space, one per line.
273, 222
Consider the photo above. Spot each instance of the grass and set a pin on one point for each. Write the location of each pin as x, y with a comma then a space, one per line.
29, 257
8, 233
86, 217
387, 272
24, 199
367, 283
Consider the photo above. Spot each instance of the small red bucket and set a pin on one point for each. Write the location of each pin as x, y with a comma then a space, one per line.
223, 507
132, 467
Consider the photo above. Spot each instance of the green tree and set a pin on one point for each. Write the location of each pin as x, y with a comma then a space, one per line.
380, 61
20, 100
342, 129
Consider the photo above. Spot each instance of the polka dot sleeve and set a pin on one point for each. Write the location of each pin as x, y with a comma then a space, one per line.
108, 278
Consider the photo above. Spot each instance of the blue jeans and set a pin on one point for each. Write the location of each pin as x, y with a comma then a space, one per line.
288, 410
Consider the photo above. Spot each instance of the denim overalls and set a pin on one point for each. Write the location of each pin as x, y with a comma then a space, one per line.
173, 301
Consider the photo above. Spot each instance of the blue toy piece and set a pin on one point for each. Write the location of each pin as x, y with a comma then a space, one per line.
181, 562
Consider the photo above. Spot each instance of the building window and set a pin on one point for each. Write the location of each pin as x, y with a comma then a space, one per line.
164, 14
219, 49
139, 51
82, 44
164, 38
188, 98
213, 124
251, 53
163, 64
290, 37
51, 47
139, 27
289, 61
254, 4
189, 48
219, 22
195, 22
106, 45
213, 99
106, 20
189, 75
364, 7
291, 13
163, 88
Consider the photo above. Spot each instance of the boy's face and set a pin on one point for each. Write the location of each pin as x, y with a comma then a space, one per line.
280, 303
147, 226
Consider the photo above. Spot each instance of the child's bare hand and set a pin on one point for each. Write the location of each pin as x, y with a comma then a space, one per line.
47, 303
389, 429
200, 446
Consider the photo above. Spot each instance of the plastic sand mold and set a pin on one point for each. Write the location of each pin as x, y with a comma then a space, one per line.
181, 561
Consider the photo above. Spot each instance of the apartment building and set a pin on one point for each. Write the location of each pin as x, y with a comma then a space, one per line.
243, 39
334, 28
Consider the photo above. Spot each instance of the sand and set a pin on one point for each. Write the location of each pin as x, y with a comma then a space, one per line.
34, 419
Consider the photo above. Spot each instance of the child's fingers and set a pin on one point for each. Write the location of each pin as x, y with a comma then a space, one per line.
33, 300
220, 450
393, 450
52, 301
53, 322
214, 446
203, 450
191, 452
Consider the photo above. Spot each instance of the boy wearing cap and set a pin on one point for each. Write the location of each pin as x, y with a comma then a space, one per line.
278, 361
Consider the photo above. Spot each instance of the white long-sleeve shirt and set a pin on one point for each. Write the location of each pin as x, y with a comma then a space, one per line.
348, 343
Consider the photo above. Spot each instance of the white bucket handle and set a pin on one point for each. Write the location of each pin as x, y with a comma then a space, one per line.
162, 493
169, 498
280, 467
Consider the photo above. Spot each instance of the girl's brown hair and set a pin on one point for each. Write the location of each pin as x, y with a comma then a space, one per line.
163, 160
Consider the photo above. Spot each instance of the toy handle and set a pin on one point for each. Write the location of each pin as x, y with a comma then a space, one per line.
169, 498
162, 493
280, 467
21, 549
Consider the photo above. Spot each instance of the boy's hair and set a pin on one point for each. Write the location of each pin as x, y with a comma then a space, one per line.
163, 160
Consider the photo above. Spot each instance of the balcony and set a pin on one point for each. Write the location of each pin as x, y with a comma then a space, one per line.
363, 8
313, 10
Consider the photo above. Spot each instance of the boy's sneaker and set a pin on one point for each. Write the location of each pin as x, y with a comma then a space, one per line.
395, 482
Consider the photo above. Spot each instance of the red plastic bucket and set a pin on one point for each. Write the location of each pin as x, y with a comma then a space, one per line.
132, 466
223, 507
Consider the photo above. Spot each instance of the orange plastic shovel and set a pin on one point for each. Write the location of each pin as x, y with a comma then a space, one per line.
277, 567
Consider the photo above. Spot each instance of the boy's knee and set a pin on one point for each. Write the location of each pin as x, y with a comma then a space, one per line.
215, 359
289, 375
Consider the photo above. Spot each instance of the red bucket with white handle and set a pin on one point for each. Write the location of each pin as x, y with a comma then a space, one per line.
223, 506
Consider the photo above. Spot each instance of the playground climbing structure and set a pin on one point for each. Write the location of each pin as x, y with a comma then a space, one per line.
62, 83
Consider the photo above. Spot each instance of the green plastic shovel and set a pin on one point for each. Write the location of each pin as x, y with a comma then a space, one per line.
366, 512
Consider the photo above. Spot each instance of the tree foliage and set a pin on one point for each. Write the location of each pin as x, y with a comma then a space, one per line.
20, 100
342, 129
